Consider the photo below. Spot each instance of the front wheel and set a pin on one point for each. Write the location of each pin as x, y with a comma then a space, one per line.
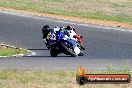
81, 53
81, 49
68, 50
81, 45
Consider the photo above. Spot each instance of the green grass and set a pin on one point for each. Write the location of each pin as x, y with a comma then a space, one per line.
51, 79
57, 0
110, 70
4, 51
118, 10
34, 79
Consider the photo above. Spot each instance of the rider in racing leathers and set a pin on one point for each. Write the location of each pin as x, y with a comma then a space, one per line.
47, 31
71, 31
68, 30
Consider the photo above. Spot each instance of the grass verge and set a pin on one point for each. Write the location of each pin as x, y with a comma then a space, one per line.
52, 79
9, 51
115, 10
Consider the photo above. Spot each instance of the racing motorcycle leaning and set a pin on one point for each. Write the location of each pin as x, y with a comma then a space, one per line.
59, 41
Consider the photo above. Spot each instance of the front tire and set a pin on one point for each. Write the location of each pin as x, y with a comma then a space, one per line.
81, 53
81, 49
73, 54
81, 45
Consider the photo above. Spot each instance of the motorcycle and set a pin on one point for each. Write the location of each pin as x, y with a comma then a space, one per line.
46, 30
61, 43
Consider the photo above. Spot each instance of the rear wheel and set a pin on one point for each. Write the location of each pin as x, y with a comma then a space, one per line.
68, 50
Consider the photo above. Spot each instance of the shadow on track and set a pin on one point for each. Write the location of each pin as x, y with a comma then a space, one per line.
38, 49
47, 56
41, 55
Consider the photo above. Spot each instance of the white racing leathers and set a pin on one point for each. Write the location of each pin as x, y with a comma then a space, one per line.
72, 33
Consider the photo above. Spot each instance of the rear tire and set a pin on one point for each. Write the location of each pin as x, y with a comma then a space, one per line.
68, 50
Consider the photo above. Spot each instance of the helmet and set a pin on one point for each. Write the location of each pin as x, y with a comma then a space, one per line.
46, 27
69, 27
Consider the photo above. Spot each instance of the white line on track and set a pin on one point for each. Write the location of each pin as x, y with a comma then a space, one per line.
67, 22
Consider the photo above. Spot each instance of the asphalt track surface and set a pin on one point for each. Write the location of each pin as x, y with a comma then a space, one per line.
104, 46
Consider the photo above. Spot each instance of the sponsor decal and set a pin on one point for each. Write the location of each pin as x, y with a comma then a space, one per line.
83, 78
